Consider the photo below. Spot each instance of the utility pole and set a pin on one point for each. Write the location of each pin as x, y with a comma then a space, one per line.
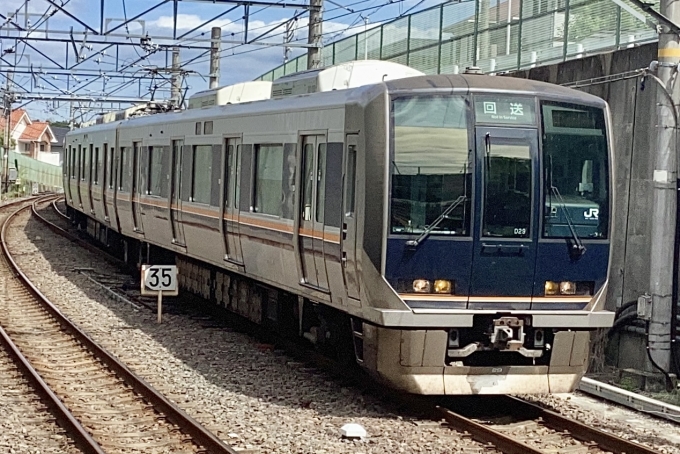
365, 18
215, 45
175, 81
315, 20
8, 99
664, 211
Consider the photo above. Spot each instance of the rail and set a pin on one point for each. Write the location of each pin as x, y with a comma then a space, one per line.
174, 414
522, 409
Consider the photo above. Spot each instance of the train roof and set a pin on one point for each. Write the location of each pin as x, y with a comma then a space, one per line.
481, 82
338, 98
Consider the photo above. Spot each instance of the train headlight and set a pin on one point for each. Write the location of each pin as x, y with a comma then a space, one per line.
567, 288
421, 286
442, 286
551, 288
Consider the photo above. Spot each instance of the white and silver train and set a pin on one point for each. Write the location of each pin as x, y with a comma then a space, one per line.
448, 233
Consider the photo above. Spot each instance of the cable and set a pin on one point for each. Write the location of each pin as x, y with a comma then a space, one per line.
669, 381
623, 307
196, 61
195, 37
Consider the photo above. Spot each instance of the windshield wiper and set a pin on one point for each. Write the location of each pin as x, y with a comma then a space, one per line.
577, 248
440, 218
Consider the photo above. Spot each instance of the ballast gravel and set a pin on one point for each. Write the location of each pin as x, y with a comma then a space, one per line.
252, 397
255, 399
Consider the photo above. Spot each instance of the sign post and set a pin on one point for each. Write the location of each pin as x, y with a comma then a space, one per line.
160, 306
159, 280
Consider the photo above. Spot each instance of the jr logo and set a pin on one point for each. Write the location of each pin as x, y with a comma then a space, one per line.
593, 213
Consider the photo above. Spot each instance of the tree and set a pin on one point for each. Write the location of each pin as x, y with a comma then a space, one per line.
12, 143
62, 124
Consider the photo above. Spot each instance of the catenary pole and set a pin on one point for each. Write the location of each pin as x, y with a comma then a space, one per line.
7, 104
315, 20
175, 81
664, 209
215, 45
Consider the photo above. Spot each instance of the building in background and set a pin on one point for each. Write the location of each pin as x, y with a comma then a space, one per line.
31, 138
58, 146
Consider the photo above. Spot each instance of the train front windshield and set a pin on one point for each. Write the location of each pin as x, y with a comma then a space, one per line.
576, 171
433, 162
432, 165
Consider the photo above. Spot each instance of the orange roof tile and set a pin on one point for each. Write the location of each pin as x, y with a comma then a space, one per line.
34, 131
14, 119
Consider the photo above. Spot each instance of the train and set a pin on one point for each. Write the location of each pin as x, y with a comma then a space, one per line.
449, 234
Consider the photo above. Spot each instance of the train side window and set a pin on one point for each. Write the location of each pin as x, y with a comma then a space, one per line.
198, 128
74, 163
229, 177
164, 178
89, 163
321, 183
350, 180
155, 175
85, 163
307, 181
111, 161
122, 168
268, 179
208, 127
95, 166
105, 162
202, 170
237, 177
67, 162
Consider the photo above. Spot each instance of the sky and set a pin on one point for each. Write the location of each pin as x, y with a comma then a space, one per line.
102, 69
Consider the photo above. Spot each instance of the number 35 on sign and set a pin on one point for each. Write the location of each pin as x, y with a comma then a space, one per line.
159, 278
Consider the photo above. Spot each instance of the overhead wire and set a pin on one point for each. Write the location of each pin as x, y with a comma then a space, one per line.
196, 61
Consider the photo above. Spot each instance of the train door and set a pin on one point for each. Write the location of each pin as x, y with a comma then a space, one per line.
505, 239
134, 192
310, 231
91, 169
349, 221
231, 189
67, 173
175, 191
79, 175
106, 182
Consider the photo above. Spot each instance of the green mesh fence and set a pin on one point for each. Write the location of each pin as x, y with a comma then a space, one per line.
33, 171
497, 36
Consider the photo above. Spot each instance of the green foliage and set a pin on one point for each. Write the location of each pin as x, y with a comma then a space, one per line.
12, 143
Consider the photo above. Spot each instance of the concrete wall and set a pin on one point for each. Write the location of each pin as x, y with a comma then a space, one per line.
633, 113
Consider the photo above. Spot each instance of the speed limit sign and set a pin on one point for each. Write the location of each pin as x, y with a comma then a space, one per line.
159, 278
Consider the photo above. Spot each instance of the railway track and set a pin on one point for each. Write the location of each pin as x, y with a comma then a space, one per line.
99, 402
520, 427
516, 427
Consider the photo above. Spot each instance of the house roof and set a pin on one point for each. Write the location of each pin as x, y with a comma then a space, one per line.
15, 118
59, 133
36, 132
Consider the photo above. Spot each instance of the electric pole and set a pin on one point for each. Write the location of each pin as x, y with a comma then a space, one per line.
315, 19
176, 81
664, 211
8, 99
215, 45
